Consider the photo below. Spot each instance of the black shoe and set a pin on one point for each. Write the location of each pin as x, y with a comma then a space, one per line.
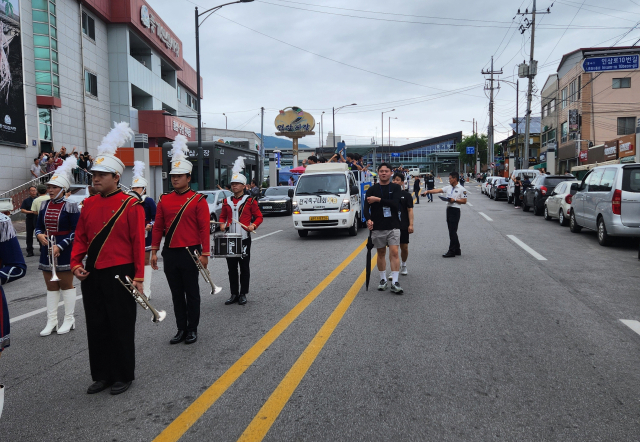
179, 337
458, 252
191, 337
29, 254
120, 387
449, 254
98, 386
232, 300
242, 300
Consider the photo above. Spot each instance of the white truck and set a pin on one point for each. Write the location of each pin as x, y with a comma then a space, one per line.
328, 196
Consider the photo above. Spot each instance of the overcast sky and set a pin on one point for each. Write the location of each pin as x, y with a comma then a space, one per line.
422, 58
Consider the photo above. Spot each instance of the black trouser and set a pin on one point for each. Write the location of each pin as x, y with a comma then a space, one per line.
516, 197
30, 225
111, 324
417, 192
182, 276
453, 218
245, 272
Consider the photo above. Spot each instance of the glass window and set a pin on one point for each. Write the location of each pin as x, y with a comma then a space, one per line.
41, 40
620, 83
607, 179
52, 19
88, 26
54, 32
56, 80
43, 89
631, 179
44, 123
54, 44
39, 4
45, 132
321, 184
91, 83
626, 125
41, 16
56, 91
42, 53
564, 97
55, 68
579, 86
52, 8
573, 91
43, 65
41, 28
594, 180
43, 77
565, 131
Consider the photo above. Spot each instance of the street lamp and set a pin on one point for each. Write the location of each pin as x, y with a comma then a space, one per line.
394, 118
226, 126
321, 134
334, 122
198, 24
382, 137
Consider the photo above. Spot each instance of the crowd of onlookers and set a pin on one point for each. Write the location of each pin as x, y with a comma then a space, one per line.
48, 162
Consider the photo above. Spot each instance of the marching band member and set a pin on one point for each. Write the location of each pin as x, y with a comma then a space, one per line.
57, 220
139, 186
109, 234
240, 214
12, 267
183, 219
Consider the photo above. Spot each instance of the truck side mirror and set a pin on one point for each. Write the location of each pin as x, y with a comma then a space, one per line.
353, 190
290, 193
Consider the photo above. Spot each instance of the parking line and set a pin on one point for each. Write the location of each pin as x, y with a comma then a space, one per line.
485, 216
262, 422
469, 204
35, 312
190, 416
532, 252
264, 236
633, 325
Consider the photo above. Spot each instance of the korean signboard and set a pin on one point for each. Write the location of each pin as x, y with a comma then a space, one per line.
626, 146
12, 123
294, 120
574, 121
584, 156
618, 63
148, 20
610, 150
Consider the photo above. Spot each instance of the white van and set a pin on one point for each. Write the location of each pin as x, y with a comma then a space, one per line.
327, 196
522, 173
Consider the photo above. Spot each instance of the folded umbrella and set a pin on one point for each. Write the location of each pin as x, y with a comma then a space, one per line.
369, 247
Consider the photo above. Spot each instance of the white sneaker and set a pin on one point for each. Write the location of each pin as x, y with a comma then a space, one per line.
403, 270
395, 288
383, 285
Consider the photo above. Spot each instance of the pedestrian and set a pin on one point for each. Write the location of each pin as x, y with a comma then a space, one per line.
255, 190
406, 224
30, 217
381, 209
516, 192
56, 224
82, 168
51, 165
240, 214
183, 219
416, 189
35, 169
456, 196
76, 171
109, 234
291, 181
42, 196
139, 187
431, 184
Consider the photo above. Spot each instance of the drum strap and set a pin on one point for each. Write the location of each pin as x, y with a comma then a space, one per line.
176, 220
236, 210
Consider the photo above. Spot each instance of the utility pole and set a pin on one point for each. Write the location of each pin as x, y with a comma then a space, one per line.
490, 128
260, 175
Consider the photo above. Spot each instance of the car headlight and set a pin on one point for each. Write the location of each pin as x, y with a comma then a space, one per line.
295, 208
346, 206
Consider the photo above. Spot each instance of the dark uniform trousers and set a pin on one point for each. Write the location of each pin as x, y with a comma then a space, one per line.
110, 311
453, 218
245, 273
182, 276
30, 225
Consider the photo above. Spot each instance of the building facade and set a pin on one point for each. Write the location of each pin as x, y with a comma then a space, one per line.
87, 64
549, 117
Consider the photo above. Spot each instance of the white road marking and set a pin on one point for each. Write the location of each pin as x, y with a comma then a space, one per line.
533, 253
469, 204
264, 236
35, 312
633, 325
485, 216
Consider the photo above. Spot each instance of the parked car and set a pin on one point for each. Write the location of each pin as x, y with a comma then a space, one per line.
558, 204
536, 194
214, 200
79, 192
487, 184
498, 189
522, 173
276, 200
608, 201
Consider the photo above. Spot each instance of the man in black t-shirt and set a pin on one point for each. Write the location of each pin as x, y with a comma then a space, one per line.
406, 223
430, 182
381, 208
30, 222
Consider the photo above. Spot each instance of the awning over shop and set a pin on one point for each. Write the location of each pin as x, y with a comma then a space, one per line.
541, 166
157, 124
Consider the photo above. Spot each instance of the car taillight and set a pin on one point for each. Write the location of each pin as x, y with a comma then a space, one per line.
543, 190
502, 187
568, 199
616, 202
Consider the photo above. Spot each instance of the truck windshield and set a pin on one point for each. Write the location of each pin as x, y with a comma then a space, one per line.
325, 183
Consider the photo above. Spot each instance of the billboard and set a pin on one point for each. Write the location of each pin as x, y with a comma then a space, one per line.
574, 121
12, 123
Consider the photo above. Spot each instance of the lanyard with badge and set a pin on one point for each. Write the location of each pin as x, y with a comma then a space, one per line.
386, 210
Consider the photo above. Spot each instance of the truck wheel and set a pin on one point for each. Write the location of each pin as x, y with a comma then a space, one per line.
303, 233
353, 230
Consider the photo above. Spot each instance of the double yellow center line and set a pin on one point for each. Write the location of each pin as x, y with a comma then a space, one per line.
190, 416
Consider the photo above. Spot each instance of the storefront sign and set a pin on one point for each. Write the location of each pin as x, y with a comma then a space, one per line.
599, 64
294, 120
626, 146
574, 121
584, 156
12, 124
610, 150
543, 157
180, 128
149, 21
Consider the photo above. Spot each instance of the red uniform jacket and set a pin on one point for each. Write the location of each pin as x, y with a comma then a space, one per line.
110, 233
249, 212
191, 226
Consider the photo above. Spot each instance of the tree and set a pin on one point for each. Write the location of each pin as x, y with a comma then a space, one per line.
470, 141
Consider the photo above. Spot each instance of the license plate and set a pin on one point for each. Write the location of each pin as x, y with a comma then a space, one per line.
318, 218
267, 207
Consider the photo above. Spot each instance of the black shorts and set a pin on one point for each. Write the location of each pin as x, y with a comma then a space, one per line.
404, 236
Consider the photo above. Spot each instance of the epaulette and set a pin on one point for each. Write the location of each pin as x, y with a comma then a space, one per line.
6, 228
201, 197
71, 207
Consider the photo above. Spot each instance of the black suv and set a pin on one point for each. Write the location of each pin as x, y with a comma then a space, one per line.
541, 187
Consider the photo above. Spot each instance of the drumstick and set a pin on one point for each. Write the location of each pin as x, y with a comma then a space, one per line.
237, 222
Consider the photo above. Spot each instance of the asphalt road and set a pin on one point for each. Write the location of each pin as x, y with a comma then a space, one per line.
496, 344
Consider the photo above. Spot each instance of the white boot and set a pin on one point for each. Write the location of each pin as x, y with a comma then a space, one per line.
146, 284
1, 398
53, 297
69, 298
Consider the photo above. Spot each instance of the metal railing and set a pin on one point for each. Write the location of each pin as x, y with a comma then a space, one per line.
18, 194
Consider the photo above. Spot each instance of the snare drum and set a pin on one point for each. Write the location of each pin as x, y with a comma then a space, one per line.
227, 245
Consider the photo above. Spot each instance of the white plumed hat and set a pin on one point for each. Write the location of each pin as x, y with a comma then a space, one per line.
236, 173
179, 162
62, 175
106, 161
138, 175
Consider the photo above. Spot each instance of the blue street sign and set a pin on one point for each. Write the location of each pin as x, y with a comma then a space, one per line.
395, 154
471, 150
600, 64
498, 158
278, 160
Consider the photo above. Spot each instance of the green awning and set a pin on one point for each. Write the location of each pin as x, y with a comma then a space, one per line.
540, 166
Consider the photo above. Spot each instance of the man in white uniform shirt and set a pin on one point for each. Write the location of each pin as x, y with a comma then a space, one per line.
456, 196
